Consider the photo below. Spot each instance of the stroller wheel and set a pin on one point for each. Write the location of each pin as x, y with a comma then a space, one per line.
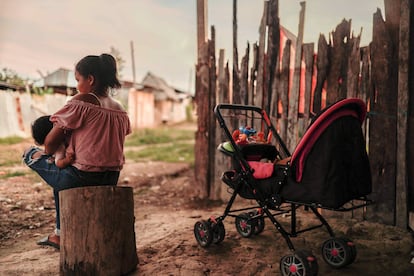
259, 222
300, 263
203, 233
218, 231
260, 225
352, 248
244, 225
338, 252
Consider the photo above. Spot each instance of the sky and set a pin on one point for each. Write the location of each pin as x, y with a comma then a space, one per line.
40, 36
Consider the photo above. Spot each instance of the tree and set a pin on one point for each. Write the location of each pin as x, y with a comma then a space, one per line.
119, 60
11, 77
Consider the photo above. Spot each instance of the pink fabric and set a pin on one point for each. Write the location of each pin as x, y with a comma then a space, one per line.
97, 135
261, 170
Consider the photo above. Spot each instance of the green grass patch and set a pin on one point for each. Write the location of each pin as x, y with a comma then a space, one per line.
12, 174
173, 152
11, 140
158, 136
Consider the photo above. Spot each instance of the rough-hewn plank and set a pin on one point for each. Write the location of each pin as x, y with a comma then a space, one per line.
292, 129
222, 162
201, 23
244, 76
401, 213
284, 90
382, 124
354, 63
308, 57
337, 77
410, 136
212, 120
201, 140
365, 83
236, 73
273, 46
322, 64
253, 75
261, 60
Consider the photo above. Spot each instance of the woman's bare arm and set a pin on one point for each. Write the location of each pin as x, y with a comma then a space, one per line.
54, 139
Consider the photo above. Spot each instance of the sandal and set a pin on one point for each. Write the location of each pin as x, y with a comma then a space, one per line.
51, 240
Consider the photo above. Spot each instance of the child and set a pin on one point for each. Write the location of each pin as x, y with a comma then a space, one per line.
40, 128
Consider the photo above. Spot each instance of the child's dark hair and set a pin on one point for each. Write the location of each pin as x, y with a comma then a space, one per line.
103, 69
40, 128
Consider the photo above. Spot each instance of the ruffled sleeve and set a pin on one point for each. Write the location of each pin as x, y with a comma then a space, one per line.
97, 134
71, 116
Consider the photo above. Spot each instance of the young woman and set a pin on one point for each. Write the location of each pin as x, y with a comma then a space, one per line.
97, 125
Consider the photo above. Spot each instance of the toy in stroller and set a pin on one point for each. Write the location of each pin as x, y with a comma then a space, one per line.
329, 169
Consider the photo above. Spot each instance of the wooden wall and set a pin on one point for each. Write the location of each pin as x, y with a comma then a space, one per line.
292, 91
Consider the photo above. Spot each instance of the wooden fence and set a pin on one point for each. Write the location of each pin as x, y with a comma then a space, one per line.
378, 73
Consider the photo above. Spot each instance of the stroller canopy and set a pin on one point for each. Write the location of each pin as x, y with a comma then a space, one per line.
347, 107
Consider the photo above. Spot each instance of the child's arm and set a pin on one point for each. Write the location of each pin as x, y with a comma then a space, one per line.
63, 158
66, 161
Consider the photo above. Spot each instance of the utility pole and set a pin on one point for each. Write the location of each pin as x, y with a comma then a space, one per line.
133, 61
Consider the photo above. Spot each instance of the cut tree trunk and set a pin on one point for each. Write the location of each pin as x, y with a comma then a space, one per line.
97, 231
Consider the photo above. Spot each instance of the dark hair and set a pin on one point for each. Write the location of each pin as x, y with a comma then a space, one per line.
103, 69
40, 128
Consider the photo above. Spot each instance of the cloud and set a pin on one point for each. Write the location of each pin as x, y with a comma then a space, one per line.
48, 34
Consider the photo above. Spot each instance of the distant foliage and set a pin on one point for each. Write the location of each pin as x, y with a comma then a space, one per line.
42, 90
119, 60
11, 77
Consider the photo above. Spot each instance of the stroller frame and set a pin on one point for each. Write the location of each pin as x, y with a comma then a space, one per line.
250, 220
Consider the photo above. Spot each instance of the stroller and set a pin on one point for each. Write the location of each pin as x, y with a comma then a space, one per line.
329, 169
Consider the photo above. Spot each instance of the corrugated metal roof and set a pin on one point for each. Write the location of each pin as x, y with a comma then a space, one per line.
61, 77
162, 90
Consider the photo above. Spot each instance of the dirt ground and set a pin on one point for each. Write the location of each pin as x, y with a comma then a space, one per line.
166, 208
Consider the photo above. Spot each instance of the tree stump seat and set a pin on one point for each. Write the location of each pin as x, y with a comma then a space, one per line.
97, 231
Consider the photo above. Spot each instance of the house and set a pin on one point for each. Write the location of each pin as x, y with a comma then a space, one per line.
11, 87
155, 96
150, 103
62, 81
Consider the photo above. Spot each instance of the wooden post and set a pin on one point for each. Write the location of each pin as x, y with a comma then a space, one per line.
383, 124
201, 23
308, 57
401, 212
222, 162
284, 90
236, 74
97, 231
354, 64
337, 75
292, 137
410, 134
244, 76
273, 48
253, 75
261, 61
211, 155
202, 95
322, 64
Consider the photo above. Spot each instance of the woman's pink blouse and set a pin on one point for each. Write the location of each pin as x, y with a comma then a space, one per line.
97, 135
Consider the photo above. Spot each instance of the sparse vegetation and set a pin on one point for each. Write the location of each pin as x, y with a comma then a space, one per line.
158, 136
11, 140
166, 144
12, 174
